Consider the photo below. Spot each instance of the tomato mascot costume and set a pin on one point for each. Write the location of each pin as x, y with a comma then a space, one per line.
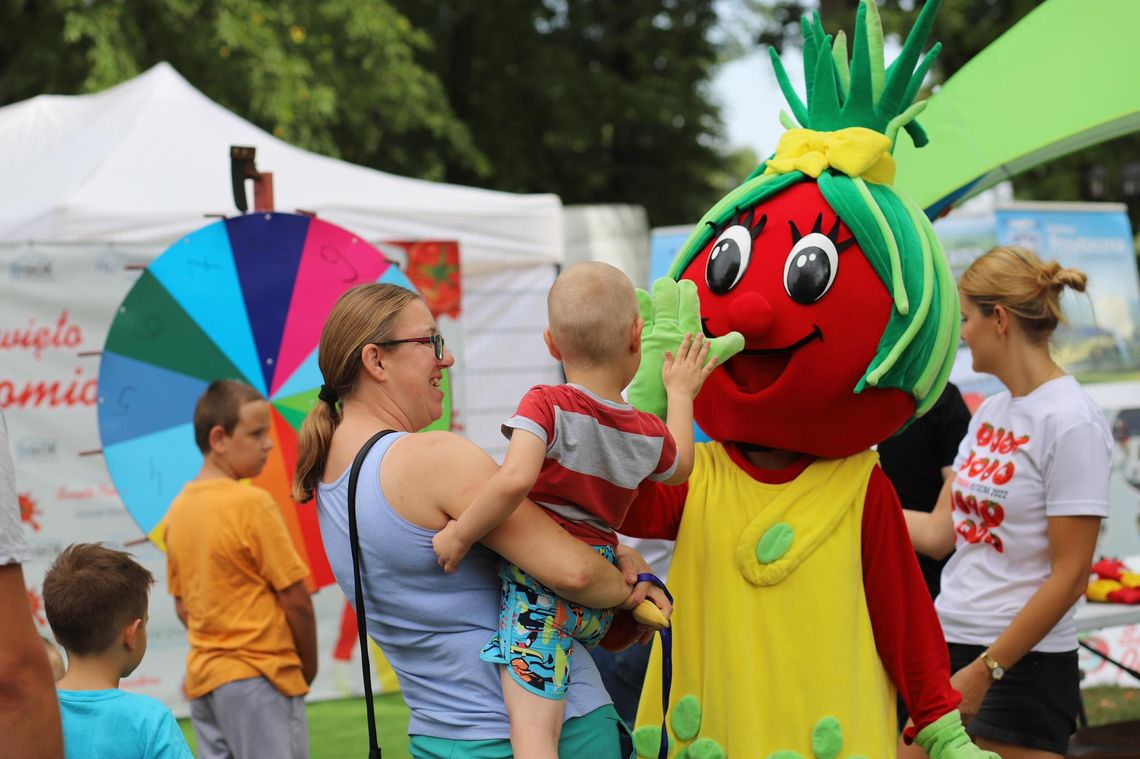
800, 606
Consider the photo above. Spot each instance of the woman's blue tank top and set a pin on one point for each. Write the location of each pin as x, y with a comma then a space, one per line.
430, 625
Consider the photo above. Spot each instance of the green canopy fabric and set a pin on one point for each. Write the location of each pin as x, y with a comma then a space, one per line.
1065, 77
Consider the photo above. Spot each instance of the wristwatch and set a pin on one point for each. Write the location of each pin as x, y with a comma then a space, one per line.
997, 671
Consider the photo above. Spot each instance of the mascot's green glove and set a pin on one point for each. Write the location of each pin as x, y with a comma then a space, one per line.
946, 739
671, 311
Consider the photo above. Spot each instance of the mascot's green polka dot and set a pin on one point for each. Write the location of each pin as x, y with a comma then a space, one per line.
647, 740
706, 748
786, 755
685, 718
775, 542
826, 738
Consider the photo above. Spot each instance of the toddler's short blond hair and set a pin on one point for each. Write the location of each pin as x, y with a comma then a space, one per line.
591, 307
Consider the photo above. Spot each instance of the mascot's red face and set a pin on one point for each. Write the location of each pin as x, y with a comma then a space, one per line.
789, 276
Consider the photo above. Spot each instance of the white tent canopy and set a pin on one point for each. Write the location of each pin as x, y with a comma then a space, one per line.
142, 162
614, 234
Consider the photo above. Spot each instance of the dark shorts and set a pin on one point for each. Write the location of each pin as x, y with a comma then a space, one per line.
1035, 705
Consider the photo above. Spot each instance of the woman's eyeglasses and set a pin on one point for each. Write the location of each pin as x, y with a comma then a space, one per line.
435, 341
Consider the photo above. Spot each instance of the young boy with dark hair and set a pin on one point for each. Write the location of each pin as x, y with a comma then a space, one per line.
96, 604
239, 587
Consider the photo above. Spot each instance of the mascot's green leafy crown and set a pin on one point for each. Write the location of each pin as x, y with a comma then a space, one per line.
842, 142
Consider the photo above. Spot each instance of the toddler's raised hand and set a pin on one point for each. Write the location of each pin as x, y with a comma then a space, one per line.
685, 372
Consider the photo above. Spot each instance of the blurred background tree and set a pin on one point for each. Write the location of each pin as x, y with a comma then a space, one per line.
339, 77
599, 101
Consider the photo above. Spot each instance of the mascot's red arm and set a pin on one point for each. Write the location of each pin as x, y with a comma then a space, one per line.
656, 512
908, 636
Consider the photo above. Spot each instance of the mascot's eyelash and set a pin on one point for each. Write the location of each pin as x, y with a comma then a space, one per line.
756, 229
833, 233
743, 218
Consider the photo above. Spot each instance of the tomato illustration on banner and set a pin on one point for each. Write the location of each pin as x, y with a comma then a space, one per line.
29, 510
433, 267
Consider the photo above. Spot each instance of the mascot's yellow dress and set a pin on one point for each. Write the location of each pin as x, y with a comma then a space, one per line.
796, 621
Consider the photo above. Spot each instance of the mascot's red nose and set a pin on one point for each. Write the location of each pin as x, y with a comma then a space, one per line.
751, 315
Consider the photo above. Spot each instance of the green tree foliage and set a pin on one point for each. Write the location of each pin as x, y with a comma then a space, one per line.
964, 27
596, 100
339, 77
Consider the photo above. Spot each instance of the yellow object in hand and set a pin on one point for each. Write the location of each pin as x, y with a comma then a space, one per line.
647, 613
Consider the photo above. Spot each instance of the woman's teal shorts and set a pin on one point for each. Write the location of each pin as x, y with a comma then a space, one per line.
598, 735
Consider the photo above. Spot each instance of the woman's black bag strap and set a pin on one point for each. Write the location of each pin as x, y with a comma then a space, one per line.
361, 630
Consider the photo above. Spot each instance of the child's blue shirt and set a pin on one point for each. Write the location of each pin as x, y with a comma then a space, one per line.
112, 724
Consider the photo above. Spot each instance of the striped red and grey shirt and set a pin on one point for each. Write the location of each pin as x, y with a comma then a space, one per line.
597, 453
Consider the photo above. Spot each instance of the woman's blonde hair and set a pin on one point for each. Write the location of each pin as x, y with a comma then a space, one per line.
1017, 280
364, 315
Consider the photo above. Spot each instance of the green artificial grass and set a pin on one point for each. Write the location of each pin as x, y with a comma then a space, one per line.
1106, 704
339, 729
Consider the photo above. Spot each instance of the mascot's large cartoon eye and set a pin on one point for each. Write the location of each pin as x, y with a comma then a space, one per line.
729, 259
811, 267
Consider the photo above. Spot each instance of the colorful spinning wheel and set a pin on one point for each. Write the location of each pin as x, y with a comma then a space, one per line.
244, 298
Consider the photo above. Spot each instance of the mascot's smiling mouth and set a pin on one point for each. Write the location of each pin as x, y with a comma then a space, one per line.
756, 369
815, 334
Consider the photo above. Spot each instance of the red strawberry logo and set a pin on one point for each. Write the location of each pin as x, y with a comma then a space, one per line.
29, 511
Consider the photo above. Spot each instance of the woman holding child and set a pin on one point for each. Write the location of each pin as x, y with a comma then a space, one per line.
382, 359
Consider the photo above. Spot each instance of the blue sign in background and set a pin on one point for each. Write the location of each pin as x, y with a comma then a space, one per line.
1103, 329
1101, 340
664, 242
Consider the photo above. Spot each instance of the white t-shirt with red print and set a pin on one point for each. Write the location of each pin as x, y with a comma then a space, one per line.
1023, 460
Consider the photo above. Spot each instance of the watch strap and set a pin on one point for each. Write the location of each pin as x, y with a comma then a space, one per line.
997, 671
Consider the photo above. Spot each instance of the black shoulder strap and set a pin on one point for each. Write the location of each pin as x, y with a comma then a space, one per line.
361, 629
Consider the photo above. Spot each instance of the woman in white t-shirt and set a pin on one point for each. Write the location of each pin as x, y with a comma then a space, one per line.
1022, 512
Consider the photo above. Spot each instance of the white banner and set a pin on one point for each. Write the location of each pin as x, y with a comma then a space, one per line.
56, 306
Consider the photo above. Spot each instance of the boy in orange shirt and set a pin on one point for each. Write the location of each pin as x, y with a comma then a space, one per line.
238, 586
